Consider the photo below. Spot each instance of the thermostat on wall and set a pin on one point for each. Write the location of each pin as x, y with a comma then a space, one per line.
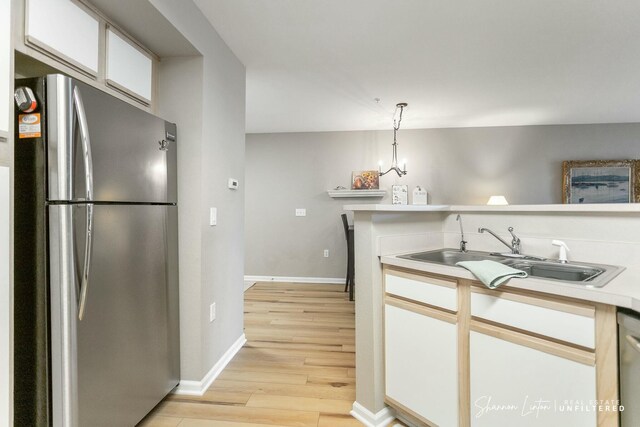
233, 184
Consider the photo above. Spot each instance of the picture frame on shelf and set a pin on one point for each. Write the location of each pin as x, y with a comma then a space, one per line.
600, 181
365, 180
420, 196
400, 195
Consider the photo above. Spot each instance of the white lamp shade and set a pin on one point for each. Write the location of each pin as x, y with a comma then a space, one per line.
497, 201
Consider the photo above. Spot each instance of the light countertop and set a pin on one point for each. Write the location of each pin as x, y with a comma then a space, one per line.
622, 291
398, 208
585, 209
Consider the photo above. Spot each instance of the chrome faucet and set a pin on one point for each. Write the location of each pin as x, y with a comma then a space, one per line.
463, 243
515, 242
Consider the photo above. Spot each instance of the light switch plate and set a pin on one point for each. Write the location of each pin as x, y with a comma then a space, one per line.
213, 216
301, 212
233, 184
212, 312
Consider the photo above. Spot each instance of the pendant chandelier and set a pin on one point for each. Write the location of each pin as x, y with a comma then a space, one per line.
394, 162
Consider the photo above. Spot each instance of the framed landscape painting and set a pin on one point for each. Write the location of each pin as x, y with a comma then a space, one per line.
600, 181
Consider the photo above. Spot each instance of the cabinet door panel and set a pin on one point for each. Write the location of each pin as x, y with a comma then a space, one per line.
421, 365
128, 68
5, 65
65, 30
5, 342
514, 385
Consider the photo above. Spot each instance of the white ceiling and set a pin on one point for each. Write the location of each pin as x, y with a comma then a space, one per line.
318, 65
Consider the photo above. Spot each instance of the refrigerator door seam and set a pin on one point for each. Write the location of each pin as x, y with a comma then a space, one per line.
64, 364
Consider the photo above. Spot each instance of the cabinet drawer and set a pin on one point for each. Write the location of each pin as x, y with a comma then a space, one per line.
427, 290
564, 321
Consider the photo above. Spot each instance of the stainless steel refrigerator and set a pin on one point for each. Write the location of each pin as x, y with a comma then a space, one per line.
96, 276
629, 364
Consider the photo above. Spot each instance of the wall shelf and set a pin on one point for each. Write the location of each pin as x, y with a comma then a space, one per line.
356, 193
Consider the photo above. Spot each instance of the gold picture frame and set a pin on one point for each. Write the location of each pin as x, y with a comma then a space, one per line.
600, 181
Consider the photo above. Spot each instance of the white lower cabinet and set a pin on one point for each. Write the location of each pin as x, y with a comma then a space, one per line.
5, 303
421, 364
458, 355
515, 385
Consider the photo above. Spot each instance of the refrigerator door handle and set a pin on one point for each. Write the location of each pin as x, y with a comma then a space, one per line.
634, 342
88, 171
86, 143
88, 246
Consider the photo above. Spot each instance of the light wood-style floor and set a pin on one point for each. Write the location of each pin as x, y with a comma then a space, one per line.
296, 369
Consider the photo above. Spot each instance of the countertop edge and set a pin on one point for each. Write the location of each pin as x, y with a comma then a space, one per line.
614, 208
598, 295
397, 208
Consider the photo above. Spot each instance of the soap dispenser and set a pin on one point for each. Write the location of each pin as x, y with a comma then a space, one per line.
562, 259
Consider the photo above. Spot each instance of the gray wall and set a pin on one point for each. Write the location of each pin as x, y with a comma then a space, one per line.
457, 166
205, 96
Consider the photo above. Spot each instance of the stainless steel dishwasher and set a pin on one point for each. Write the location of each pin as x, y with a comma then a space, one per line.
629, 341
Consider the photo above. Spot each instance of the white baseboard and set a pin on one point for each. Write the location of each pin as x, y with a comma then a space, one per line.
329, 280
381, 419
197, 388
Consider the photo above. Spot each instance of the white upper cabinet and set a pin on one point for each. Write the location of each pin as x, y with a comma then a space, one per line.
128, 68
70, 33
65, 30
5, 64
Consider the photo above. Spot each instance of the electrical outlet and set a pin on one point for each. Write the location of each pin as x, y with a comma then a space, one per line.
326, 253
212, 312
301, 212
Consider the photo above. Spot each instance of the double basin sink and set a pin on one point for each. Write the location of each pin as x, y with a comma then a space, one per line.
586, 274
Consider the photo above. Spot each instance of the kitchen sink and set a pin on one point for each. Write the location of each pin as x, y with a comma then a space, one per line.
451, 256
550, 270
587, 274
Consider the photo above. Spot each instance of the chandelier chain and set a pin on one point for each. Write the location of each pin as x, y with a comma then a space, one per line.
394, 160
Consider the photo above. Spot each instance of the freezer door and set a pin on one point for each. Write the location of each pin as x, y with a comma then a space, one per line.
122, 358
95, 139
